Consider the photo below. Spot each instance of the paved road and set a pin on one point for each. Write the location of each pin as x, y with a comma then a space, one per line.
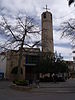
42, 93
59, 87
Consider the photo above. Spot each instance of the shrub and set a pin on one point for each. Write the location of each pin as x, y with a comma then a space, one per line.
21, 82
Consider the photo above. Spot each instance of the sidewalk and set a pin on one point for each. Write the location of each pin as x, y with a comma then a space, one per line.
59, 87
44, 88
68, 84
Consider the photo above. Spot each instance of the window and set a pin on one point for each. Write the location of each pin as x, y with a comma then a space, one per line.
44, 15
32, 59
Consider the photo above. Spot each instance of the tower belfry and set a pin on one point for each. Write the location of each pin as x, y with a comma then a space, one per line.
47, 31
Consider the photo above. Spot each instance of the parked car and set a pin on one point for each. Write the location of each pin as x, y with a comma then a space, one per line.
1, 75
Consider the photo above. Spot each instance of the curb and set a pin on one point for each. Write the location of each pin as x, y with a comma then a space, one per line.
59, 87
21, 88
47, 92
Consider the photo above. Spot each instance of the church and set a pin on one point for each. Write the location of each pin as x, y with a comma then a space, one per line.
31, 57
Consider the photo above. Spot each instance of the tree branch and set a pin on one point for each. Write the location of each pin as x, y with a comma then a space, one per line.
71, 26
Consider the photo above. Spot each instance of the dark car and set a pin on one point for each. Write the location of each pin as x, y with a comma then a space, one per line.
60, 79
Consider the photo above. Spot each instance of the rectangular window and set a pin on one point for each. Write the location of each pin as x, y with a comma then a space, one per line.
44, 15
30, 59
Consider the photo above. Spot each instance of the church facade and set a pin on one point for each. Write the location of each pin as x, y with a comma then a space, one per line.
29, 60
31, 56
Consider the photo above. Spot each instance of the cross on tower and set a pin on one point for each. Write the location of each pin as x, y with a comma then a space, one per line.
46, 8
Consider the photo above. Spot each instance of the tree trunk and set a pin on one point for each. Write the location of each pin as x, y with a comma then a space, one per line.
20, 56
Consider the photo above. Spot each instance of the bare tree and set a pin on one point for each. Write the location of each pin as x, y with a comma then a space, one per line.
70, 2
17, 34
68, 29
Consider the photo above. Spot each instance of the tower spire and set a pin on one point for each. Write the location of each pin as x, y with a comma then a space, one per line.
46, 8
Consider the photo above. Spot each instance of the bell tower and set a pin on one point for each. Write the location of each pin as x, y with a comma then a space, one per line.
47, 31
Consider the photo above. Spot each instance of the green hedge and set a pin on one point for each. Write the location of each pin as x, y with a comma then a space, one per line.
21, 82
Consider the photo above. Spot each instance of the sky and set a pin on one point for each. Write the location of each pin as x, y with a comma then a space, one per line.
60, 11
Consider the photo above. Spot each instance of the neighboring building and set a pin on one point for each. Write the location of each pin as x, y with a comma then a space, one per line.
47, 32
71, 67
29, 60
3, 64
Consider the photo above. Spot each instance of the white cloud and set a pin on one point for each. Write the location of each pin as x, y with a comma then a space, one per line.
65, 52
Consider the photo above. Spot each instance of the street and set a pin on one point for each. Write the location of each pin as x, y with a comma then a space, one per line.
45, 92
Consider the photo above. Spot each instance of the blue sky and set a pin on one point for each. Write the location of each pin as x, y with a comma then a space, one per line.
60, 11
